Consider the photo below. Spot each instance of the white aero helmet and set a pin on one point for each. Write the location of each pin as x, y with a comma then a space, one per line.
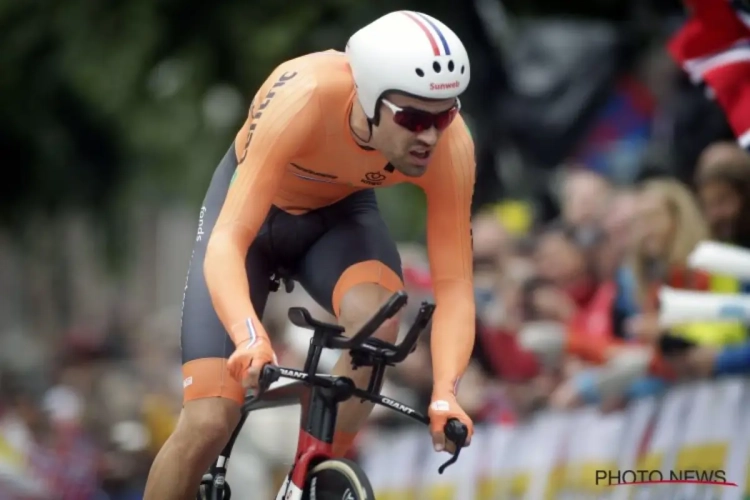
407, 52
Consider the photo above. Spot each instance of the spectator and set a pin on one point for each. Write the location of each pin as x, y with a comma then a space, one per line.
542, 300
617, 227
65, 458
576, 259
669, 226
491, 248
584, 197
723, 183
21, 422
566, 255
518, 385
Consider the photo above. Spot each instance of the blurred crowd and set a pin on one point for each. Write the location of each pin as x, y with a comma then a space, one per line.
89, 426
590, 281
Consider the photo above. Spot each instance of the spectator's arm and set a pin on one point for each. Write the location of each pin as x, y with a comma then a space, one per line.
592, 350
646, 386
586, 383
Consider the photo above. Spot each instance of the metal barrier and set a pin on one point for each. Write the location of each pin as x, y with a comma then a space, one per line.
693, 435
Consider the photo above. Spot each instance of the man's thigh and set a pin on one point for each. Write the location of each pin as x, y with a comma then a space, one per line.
357, 248
206, 346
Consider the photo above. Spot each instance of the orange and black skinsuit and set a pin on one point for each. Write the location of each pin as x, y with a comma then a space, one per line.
295, 195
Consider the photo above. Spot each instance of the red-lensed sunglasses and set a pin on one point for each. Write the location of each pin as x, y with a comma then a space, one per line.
419, 120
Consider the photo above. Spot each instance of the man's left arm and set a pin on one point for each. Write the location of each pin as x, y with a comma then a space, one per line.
449, 191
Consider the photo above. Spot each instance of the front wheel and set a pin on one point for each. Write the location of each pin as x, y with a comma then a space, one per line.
338, 479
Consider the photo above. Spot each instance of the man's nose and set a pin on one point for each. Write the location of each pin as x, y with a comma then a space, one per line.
429, 136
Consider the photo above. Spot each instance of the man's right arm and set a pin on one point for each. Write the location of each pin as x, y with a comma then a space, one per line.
280, 126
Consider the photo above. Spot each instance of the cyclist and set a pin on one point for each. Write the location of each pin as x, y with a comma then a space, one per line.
294, 197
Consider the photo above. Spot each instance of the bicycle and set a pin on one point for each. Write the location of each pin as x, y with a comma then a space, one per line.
315, 474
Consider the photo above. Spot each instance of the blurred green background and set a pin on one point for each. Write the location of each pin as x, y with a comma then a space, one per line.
104, 105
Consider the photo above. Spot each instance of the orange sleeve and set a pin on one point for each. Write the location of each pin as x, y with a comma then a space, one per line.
449, 189
281, 123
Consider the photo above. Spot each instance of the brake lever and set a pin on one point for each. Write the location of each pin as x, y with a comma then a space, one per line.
456, 432
452, 460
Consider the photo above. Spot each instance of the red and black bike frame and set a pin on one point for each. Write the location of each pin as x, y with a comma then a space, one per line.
320, 395
320, 410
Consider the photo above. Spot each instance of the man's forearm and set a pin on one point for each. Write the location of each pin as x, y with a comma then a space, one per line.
452, 339
225, 274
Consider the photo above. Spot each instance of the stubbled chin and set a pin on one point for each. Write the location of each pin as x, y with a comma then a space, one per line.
412, 170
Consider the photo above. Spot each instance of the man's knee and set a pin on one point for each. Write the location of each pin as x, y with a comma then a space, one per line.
360, 303
208, 422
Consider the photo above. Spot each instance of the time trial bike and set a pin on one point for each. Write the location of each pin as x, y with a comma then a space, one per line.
316, 475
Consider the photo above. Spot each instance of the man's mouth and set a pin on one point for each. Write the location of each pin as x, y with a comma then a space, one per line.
420, 158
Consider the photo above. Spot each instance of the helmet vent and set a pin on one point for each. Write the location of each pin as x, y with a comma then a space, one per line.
463, 68
436, 67
419, 72
451, 66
